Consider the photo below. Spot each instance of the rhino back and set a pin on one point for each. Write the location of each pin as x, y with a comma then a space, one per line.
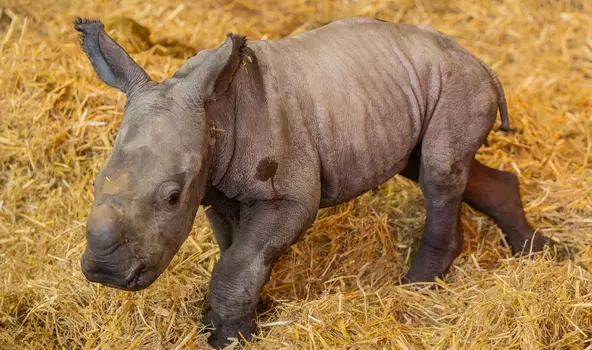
363, 89
349, 100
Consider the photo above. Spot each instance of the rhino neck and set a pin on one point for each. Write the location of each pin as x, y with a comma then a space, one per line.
243, 96
221, 118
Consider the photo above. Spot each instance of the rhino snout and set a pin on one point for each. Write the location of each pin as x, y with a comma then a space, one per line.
108, 259
103, 230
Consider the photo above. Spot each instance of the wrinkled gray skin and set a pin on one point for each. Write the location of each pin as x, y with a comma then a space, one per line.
268, 132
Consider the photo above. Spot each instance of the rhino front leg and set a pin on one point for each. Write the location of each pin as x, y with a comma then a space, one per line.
267, 228
223, 214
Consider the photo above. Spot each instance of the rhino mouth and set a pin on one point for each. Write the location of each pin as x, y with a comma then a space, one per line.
132, 281
137, 277
140, 279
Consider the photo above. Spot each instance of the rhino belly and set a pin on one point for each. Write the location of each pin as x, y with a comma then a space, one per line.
363, 145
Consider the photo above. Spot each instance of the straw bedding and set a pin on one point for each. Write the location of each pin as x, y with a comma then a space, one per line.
336, 288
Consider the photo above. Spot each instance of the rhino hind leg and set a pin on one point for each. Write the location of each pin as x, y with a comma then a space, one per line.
495, 193
458, 127
442, 238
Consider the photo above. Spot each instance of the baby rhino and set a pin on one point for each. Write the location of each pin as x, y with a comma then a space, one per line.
267, 132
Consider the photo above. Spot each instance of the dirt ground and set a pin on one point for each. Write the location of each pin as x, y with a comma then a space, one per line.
336, 288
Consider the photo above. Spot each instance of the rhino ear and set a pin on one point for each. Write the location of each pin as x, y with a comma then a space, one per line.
192, 63
212, 70
111, 61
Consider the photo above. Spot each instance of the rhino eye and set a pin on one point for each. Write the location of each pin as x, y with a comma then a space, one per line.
174, 197
169, 195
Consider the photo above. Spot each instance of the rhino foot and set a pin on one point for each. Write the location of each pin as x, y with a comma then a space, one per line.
242, 329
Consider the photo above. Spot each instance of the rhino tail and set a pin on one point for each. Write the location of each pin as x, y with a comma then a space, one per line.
501, 102
501, 97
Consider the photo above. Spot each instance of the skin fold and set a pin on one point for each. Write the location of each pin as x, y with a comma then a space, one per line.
267, 132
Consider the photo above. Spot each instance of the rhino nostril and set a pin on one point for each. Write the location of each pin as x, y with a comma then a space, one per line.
103, 230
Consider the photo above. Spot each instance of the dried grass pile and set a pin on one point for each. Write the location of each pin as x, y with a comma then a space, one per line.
336, 287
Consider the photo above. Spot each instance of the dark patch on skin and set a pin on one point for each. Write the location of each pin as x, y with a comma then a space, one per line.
266, 169
457, 168
381, 20
131, 133
272, 254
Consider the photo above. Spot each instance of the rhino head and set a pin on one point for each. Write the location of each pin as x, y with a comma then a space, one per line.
149, 189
